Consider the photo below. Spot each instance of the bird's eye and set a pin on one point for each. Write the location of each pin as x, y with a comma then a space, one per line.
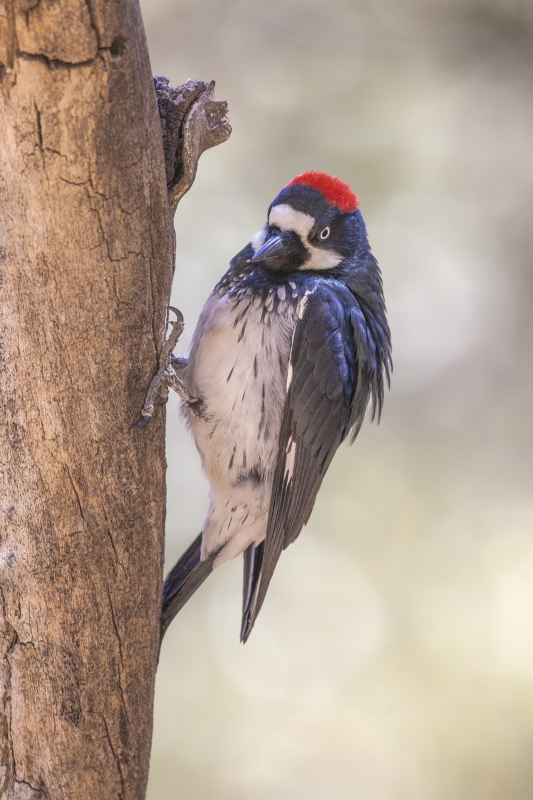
325, 233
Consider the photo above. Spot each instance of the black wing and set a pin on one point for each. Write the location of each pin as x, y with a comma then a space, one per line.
327, 362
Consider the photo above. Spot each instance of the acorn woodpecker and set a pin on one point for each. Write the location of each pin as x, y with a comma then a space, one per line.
291, 348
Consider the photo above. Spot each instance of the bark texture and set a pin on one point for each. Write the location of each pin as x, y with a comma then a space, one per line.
86, 266
192, 121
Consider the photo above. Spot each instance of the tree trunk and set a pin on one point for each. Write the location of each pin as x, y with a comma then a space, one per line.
86, 258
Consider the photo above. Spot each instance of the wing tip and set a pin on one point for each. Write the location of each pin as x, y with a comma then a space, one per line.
249, 616
246, 628
253, 561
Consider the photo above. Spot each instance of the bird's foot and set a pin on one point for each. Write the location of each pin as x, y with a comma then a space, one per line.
166, 377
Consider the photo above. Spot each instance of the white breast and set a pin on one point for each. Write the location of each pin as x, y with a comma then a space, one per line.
238, 366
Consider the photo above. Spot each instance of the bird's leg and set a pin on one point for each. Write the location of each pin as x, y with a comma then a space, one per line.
167, 377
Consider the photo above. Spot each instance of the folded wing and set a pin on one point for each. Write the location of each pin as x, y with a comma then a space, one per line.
326, 362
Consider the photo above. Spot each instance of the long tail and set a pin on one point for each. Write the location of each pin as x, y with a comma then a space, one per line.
183, 580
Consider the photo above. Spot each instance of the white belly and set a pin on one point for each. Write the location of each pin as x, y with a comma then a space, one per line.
238, 366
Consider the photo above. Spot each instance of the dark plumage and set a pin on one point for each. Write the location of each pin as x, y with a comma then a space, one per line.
298, 331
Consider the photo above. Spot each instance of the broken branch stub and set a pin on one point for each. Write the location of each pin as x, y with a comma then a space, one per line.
192, 121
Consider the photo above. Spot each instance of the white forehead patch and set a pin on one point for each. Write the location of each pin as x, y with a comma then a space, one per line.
286, 218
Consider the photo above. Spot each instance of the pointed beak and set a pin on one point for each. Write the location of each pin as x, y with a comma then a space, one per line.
272, 247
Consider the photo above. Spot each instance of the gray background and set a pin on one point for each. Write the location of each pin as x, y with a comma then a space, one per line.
393, 659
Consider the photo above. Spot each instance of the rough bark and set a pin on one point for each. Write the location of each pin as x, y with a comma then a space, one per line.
192, 121
86, 260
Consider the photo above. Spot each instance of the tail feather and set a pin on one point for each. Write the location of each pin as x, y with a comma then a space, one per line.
253, 559
183, 580
190, 572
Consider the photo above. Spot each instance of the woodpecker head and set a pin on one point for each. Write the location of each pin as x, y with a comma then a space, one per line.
313, 225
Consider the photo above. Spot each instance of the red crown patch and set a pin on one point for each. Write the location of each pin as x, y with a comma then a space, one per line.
336, 192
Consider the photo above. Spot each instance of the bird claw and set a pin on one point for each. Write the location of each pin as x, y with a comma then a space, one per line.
143, 422
197, 407
167, 377
179, 316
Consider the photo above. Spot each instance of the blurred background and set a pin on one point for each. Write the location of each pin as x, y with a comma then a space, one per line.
393, 659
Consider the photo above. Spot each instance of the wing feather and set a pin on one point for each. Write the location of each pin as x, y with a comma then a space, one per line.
340, 354
316, 419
